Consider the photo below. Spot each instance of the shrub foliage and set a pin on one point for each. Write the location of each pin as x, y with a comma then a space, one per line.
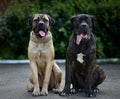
14, 28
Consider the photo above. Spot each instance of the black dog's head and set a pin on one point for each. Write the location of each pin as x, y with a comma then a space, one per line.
82, 27
41, 24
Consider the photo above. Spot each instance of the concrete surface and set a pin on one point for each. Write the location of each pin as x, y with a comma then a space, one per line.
14, 78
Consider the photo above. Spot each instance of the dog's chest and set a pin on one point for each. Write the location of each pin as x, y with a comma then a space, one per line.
41, 54
80, 57
41, 47
80, 53
41, 50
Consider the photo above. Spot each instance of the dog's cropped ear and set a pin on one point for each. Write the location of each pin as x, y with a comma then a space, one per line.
92, 25
72, 24
52, 21
30, 20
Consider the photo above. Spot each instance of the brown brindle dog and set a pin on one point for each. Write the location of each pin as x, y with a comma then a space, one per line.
81, 68
45, 73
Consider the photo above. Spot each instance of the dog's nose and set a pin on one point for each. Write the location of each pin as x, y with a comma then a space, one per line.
83, 25
41, 23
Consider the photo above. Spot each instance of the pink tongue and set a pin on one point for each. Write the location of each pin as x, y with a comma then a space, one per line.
42, 33
79, 38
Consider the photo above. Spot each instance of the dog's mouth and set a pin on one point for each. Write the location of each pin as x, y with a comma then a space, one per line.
81, 36
41, 33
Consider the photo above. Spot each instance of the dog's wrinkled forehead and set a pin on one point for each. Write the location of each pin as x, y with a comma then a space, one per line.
78, 20
82, 17
41, 17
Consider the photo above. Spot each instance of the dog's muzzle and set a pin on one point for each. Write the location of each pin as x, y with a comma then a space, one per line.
84, 33
84, 27
40, 29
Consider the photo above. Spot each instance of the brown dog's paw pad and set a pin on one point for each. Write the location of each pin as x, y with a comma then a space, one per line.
44, 93
37, 93
57, 90
29, 88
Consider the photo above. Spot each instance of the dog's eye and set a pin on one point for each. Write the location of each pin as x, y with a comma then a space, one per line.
80, 20
75, 21
36, 21
74, 24
45, 20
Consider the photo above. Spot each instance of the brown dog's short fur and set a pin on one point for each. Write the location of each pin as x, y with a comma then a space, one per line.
45, 73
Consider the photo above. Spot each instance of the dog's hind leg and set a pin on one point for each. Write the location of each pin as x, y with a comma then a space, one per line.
99, 76
30, 86
58, 77
78, 82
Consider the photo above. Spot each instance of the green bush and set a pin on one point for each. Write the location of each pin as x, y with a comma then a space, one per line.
14, 32
14, 28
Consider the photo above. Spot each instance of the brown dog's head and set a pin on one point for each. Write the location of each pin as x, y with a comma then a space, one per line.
41, 24
82, 27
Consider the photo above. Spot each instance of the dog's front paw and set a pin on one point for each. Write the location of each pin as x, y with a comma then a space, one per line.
65, 93
73, 91
96, 90
36, 93
29, 88
44, 92
57, 90
90, 93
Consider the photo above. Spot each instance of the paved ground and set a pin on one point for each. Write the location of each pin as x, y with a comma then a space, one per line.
14, 78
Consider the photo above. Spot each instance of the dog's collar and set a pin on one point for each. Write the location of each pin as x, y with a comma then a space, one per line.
45, 39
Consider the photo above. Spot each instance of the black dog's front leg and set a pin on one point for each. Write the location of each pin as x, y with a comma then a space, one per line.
88, 87
66, 90
89, 78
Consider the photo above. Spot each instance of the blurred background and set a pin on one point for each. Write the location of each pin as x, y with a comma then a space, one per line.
14, 27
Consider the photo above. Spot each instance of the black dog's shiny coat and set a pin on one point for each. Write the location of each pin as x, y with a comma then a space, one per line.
86, 75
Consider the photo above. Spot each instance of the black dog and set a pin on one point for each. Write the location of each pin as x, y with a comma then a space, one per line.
81, 69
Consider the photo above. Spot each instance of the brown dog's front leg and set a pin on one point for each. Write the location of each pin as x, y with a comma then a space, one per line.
48, 71
34, 78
